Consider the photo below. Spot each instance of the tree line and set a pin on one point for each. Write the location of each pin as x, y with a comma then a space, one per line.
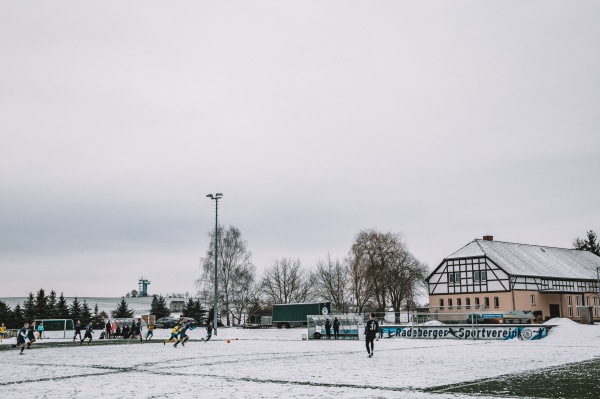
378, 273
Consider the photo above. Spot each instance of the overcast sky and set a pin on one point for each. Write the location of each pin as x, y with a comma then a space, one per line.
440, 120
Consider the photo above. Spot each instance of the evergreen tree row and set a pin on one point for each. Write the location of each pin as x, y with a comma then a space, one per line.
42, 306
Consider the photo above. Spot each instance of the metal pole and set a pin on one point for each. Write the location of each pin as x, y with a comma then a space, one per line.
216, 241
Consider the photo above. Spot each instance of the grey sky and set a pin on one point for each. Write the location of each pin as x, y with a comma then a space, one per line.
442, 120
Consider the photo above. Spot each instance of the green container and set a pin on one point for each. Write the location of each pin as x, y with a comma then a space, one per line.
294, 314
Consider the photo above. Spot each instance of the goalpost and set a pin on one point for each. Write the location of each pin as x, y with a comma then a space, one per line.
54, 327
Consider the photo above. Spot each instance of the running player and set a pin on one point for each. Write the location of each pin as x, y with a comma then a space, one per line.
77, 331
371, 330
183, 337
88, 334
150, 332
31, 334
22, 336
174, 333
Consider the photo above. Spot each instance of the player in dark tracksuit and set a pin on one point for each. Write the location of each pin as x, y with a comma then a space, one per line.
183, 337
209, 330
88, 334
371, 330
22, 336
136, 330
77, 331
31, 334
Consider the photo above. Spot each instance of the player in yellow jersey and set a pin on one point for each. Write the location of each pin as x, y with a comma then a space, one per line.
2, 331
174, 333
150, 332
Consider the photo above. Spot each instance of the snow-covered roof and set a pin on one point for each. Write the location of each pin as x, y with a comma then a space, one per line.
533, 260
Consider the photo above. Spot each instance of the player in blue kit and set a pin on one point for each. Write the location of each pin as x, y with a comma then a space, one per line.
22, 336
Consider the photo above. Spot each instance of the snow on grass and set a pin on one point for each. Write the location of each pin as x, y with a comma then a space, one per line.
277, 363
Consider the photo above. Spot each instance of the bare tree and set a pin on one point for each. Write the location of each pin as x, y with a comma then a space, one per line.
233, 260
286, 282
404, 276
361, 285
244, 291
374, 251
331, 281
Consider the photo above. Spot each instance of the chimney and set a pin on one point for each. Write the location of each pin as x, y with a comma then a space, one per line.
488, 238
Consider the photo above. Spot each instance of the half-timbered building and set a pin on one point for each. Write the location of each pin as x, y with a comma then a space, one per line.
503, 276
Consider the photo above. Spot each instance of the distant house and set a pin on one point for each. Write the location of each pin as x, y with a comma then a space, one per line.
503, 276
176, 306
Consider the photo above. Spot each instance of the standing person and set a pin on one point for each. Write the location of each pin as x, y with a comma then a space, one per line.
209, 330
40, 330
136, 330
21, 336
336, 328
108, 329
77, 330
150, 332
2, 331
31, 334
328, 328
371, 330
88, 334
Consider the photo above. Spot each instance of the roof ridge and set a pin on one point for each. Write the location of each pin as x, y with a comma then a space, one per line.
530, 245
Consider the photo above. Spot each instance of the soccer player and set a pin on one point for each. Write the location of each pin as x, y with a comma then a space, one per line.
150, 332
183, 337
2, 331
108, 329
21, 336
77, 331
174, 333
88, 334
31, 334
371, 330
209, 330
40, 330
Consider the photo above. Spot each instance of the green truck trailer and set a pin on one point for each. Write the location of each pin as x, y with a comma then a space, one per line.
294, 314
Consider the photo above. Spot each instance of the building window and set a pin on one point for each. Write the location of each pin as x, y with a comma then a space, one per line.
486, 302
454, 278
476, 276
458, 303
477, 304
577, 306
532, 299
449, 303
468, 303
441, 304
483, 276
496, 302
570, 306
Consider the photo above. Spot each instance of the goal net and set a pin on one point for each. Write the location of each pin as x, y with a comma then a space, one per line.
56, 328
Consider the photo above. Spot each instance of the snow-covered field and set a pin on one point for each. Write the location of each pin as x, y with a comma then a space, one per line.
277, 363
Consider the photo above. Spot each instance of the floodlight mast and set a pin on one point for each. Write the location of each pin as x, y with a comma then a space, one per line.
216, 197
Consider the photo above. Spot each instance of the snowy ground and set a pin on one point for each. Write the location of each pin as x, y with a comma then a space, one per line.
277, 363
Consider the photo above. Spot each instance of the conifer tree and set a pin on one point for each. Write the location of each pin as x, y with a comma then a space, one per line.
52, 305
29, 308
18, 317
6, 314
97, 320
86, 314
75, 310
41, 305
122, 310
159, 307
62, 309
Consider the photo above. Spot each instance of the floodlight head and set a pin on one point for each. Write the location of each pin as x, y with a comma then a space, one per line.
209, 195
219, 195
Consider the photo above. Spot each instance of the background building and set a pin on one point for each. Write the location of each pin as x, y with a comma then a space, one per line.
502, 276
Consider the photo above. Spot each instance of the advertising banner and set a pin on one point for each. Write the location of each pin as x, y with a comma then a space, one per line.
491, 332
